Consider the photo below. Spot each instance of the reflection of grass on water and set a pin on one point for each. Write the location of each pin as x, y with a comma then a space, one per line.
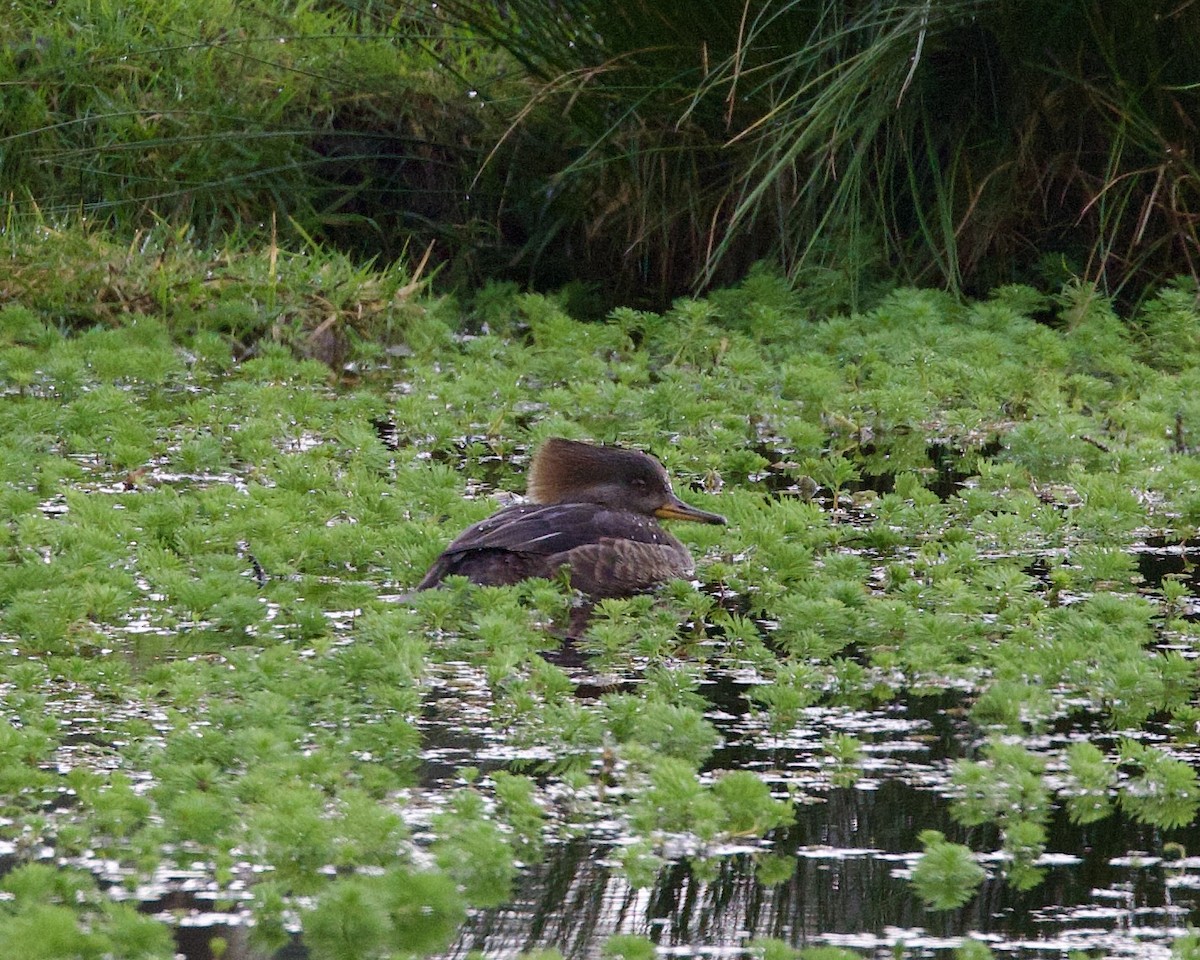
205, 535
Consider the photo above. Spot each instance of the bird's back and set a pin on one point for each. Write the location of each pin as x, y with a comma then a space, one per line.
609, 552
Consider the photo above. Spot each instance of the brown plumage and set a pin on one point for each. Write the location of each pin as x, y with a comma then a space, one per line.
595, 511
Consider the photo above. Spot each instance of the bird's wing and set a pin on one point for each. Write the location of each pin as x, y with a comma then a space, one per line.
555, 528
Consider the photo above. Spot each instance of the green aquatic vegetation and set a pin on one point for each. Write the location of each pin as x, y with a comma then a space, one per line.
1006, 531
676, 684
474, 852
946, 875
621, 628
1100, 566
814, 628
756, 520
772, 869
16, 502
1174, 592
288, 827
628, 946
1170, 327
881, 538
1092, 783
1110, 509
279, 690
742, 638
45, 620
51, 913
767, 948
1098, 648
21, 325
771, 949
1163, 791
913, 508
1024, 841
747, 807
974, 950
19, 368
946, 559
390, 652
852, 685
1005, 787
576, 731
673, 800
940, 643
203, 453
1013, 595
400, 911
236, 614
1186, 947
1052, 450
846, 752
25, 784
834, 473
1136, 689
141, 352
674, 731
1014, 706
956, 596
795, 687
525, 817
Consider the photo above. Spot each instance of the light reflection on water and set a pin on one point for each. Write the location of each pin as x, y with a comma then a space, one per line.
1106, 890
852, 896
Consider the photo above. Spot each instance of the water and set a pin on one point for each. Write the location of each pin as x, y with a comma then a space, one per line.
1107, 889
1112, 889
848, 889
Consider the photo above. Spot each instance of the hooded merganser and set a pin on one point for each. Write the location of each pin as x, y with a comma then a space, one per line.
594, 510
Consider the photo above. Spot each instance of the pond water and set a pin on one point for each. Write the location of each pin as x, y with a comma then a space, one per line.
1112, 889
1108, 889
1110, 902
1117, 888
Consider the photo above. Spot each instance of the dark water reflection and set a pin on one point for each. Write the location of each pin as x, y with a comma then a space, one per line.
849, 888
1106, 888
1107, 892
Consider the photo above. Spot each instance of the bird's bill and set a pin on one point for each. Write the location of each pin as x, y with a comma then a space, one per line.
676, 509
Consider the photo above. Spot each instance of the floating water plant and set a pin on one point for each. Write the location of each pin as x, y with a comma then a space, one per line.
215, 658
946, 876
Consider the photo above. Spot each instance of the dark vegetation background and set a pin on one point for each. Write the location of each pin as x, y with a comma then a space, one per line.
645, 149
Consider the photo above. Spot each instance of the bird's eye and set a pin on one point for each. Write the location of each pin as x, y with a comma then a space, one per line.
639, 483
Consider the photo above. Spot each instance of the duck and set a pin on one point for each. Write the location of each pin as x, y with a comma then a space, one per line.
593, 510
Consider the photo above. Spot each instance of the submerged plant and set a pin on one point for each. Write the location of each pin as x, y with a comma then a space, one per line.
1093, 779
224, 664
946, 875
1163, 791
401, 910
55, 913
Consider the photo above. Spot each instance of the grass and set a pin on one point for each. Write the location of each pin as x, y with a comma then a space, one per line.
647, 152
950, 144
206, 534
350, 123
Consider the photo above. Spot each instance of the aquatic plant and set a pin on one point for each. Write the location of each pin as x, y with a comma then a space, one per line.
215, 656
1164, 791
946, 875
625, 946
56, 913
